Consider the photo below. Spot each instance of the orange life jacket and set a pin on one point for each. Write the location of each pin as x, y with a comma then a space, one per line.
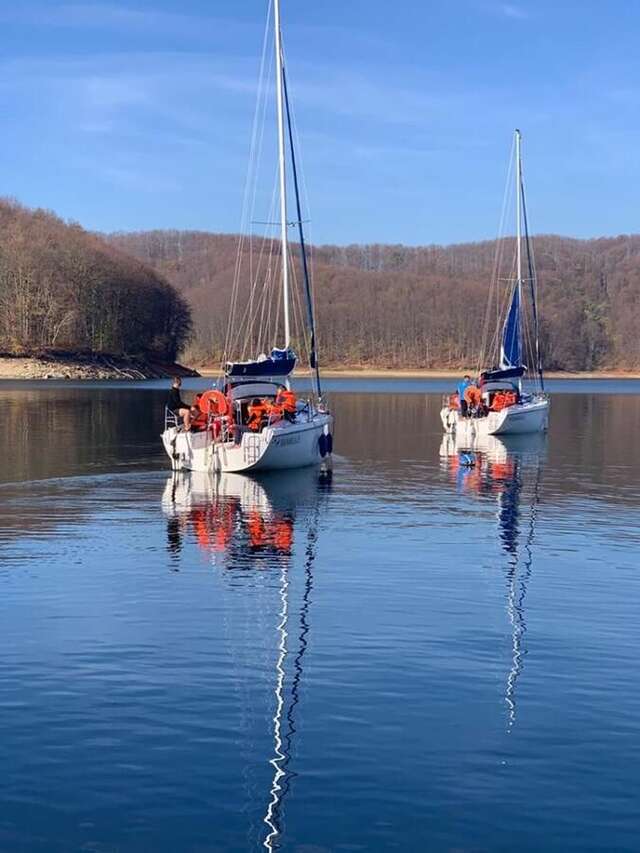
257, 412
286, 400
472, 395
498, 402
454, 401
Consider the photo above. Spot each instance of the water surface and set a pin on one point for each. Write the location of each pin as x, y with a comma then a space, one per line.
411, 654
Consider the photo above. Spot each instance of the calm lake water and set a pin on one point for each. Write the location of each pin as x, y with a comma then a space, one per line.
408, 655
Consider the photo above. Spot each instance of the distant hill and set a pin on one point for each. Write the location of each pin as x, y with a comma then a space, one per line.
64, 288
383, 305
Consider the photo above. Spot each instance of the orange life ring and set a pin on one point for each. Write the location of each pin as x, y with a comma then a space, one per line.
213, 403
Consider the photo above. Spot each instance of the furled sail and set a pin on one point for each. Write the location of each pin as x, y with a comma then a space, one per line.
279, 364
511, 349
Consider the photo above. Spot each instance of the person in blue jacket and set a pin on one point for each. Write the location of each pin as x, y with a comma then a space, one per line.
462, 387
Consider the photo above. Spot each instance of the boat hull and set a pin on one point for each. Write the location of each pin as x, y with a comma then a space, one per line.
280, 446
522, 418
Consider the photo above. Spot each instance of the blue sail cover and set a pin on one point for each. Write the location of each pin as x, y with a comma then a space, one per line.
511, 350
280, 363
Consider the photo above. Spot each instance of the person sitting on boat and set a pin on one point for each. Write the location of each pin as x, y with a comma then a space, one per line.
258, 411
498, 402
472, 400
286, 401
462, 387
176, 404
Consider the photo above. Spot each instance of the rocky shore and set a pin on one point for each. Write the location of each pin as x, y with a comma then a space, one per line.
68, 365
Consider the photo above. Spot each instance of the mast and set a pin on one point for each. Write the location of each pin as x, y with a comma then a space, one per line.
283, 174
519, 227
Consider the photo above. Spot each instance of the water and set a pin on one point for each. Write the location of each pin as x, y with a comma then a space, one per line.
410, 655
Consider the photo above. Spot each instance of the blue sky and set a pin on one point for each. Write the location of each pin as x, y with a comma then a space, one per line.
126, 116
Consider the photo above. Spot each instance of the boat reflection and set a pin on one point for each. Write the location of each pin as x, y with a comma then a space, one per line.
510, 471
246, 523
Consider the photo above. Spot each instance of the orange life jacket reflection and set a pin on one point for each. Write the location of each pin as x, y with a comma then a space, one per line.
283, 535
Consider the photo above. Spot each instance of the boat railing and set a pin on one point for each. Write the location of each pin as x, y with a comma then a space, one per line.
221, 428
171, 419
446, 401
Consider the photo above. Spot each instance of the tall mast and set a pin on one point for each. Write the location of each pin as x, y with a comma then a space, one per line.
283, 174
519, 230
519, 211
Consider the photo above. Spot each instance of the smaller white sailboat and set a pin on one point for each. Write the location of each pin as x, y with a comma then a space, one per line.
498, 404
253, 421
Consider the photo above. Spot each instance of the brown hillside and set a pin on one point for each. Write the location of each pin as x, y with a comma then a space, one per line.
65, 288
384, 305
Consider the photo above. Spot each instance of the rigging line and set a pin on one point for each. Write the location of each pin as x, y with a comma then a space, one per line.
307, 249
493, 286
249, 339
313, 360
254, 271
244, 329
533, 283
268, 281
245, 202
270, 818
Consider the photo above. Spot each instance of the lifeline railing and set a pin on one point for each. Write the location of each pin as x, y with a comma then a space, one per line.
170, 418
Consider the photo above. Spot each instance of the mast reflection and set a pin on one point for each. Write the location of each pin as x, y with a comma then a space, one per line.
510, 470
245, 523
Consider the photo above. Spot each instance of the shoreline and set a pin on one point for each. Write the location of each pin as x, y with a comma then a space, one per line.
444, 373
87, 366
91, 367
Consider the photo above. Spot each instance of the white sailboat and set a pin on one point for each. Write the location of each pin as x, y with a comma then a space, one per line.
500, 405
226, 438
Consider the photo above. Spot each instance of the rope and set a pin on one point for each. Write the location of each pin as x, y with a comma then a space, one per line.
486, 350
251, 169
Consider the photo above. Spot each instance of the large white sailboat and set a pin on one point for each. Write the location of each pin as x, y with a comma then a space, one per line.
499, 404
229, 435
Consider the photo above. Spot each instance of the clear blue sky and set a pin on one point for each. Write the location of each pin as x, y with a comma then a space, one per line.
137, 115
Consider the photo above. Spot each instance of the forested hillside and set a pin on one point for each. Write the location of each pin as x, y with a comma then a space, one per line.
423, 307
64, 288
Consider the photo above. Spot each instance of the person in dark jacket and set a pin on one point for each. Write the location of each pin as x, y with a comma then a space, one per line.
176, 404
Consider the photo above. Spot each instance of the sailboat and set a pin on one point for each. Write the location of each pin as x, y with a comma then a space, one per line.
498, 404
227, 436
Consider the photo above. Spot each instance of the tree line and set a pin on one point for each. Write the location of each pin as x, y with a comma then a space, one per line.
64, 288
384, 305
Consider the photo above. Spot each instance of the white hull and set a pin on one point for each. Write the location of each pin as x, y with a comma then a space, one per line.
280, 446
522, 418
